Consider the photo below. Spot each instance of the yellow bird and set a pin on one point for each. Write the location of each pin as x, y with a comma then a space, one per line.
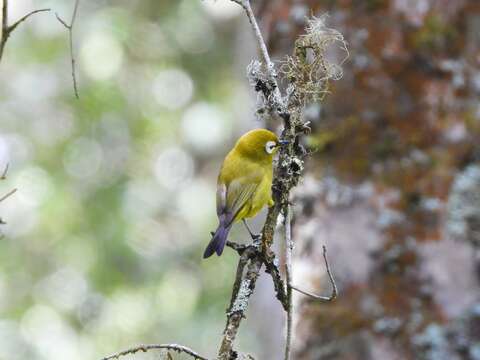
244, 185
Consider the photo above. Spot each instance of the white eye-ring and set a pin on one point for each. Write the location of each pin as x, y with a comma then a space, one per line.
270, 146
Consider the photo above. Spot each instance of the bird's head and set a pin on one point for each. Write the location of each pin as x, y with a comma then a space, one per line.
259, 144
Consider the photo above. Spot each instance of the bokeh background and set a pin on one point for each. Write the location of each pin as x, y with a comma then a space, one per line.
103, 242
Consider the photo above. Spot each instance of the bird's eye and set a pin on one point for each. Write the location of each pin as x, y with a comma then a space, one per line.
270, 146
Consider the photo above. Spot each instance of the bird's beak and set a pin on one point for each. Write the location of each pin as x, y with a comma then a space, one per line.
283, 142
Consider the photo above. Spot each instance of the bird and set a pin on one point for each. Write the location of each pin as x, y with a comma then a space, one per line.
244, 184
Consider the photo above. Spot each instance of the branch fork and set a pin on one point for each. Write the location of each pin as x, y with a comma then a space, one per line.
69, 28
8, 29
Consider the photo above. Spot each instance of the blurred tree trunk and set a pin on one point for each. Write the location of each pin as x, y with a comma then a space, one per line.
392, 136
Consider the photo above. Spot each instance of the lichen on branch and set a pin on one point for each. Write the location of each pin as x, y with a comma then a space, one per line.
311, 67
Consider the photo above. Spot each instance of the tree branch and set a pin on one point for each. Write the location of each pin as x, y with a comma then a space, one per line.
145, 348
7, 195
269, 66
271, 268
242, 290
69, 28
8, 29
334, 293
288, 277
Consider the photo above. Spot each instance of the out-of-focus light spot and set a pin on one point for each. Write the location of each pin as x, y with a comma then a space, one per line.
173, 168
142, 199
11, 342
89, 310
3, 293
199, 36
128, 312
53, 127
14, 149
115, 138
29, 80
44, 27
196, 203
196, 38
149, 238
19, 8
221, 10
205, 128
51, 336
79, 253
153, 239
34, 185
21, 215
83, 158
150, 42
177, 295
172, 88
65, 289
101, 56
4, 151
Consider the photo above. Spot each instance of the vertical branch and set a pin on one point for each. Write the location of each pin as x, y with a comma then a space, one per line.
69, 28
4, 36
245, 285
284, 181
270, 68
8, 29
288, 277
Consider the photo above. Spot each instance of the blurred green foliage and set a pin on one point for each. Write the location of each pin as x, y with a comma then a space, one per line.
103, 244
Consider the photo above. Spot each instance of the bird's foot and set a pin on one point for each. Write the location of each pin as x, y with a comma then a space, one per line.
256, 237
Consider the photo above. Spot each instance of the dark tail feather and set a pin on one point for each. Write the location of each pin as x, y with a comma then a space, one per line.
218, 241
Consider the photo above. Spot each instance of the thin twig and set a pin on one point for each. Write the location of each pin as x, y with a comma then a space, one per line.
7, 195
288, 277
245, 4
69, 27
334, 293
145, 348
18, 22
8, 29
4, 174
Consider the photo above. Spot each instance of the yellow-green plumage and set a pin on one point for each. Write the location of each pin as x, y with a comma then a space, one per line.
244, 183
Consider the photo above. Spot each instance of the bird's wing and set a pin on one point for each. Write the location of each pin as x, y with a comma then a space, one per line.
232, 197
221, 198
239, 192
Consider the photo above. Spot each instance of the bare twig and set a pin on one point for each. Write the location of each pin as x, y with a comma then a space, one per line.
8, 29
7, 195
245, 4
334, 293
145, 348
69, 27
4, 174
288, 277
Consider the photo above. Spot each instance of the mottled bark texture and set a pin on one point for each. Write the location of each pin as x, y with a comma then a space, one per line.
401, 127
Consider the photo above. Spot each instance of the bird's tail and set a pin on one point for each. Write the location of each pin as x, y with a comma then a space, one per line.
218, 241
